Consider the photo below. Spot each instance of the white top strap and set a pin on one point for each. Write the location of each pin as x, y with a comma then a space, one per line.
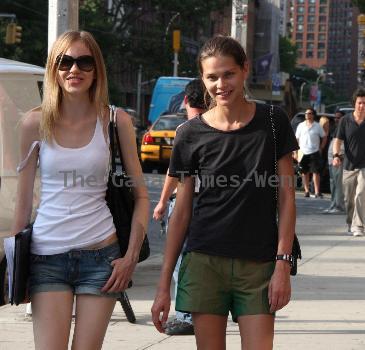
24, 162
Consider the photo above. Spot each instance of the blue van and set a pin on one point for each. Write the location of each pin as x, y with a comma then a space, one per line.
168, 96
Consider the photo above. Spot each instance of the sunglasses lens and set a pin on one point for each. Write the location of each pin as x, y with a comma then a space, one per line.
65, 63
86, 63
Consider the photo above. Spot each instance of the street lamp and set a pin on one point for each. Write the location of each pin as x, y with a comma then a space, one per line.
323, 75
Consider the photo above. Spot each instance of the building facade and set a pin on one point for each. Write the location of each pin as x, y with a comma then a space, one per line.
310, 31
325, 32
342, 46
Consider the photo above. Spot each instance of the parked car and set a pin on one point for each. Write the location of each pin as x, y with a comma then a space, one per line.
347, 110
139, 129
157, 142
20, 91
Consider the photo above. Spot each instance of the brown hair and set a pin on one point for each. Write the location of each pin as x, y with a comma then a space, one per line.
52, 99
359, 92
221, 45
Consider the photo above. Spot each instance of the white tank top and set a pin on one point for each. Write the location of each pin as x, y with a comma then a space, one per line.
73, 212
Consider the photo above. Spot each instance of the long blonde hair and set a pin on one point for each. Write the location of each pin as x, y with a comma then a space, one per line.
52, 97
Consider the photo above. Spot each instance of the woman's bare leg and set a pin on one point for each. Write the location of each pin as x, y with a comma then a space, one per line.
257, 332
52, 314
92, 318
210, 331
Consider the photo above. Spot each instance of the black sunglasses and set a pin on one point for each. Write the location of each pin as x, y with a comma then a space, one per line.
85, 63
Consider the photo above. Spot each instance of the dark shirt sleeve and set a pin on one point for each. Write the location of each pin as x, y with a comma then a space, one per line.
286, 141
181, 161
340, 132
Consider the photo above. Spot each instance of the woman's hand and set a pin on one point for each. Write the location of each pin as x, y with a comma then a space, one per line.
279, 287
159, 211
162, 305
123, 269
336, 162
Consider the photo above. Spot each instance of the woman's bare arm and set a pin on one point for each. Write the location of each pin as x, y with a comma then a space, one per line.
29, 133
280, 289
178, 226
128, 145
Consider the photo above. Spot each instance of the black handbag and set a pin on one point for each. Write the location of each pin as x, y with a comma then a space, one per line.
20, 276
119, 195
296, 250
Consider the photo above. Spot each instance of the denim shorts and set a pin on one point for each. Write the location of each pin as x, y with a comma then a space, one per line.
218, 285
80, 271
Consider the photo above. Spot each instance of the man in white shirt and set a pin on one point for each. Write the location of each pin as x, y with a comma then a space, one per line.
312, 140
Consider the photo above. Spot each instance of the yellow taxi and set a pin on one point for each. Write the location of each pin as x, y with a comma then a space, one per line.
157, 142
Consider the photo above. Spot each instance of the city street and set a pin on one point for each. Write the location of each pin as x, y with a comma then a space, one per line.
327, 310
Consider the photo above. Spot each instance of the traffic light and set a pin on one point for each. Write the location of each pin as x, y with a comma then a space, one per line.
176, 40
13, 34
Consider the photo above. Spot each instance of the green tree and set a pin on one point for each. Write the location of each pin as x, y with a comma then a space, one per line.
360, 4
288, 55
32, 16
121, 31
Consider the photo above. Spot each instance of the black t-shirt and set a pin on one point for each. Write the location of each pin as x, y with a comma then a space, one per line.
235, 214
353, 136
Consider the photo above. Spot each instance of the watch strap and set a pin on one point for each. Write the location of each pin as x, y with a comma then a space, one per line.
285, 257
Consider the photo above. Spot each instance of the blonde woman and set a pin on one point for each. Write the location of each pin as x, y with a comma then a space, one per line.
74, 248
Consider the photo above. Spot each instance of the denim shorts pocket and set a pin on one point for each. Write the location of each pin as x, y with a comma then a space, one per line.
111, 253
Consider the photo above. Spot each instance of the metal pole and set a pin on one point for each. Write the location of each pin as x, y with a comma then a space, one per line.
63, 15
139, 88
176, 63
301, 94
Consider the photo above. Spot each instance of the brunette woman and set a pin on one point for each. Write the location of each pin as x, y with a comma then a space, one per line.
237, 258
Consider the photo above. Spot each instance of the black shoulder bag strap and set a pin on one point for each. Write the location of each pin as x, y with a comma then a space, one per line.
114, 136
296, 250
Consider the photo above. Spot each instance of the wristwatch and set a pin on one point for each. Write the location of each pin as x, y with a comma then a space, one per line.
286, 257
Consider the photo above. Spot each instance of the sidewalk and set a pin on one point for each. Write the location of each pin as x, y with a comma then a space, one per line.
327, 310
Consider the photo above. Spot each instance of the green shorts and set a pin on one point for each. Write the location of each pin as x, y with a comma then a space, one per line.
218, 285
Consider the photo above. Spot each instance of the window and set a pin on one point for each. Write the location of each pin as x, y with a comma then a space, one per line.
299, 36
310, 27
299, 27
320, 54
300, 19
323, 2
312, 1
322, 28
310, 36
311, 19
299, 44
322, 37
322, 19
300, 1
309, 54
321, 46
310, 46
323, 10
311, 10
300, 54
300, 9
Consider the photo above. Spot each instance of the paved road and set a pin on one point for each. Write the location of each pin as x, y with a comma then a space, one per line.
327, 309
